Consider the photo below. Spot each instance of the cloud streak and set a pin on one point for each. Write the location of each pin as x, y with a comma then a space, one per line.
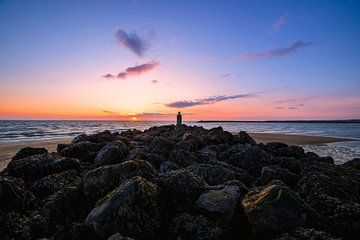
279, 23
277, 52
132, 41
207, 101
134, 71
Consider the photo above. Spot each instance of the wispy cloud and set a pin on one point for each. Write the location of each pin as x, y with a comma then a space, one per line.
292, 100
279, 23
277, 52
154, 81
142, 115
207, 101
292, 107
226, 75
134, 71
132, 41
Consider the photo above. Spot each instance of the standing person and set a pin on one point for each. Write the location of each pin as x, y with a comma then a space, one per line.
179, 119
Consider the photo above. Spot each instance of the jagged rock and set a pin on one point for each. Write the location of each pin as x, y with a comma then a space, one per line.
111, 153
272, 147
218, 173
290, 163
273, 172
48, 185
83, 150
132, 210
277, 209
218, 136
101, 137
292, 151
244, 138
305, 234
186, 226
190, 142
168, 166
354, 164
61, 146
13, 195
38, 166
28, 151
182, 158
248, 157
98, 182
155, 159
161, 145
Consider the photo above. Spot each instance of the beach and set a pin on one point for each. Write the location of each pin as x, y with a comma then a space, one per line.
8, 150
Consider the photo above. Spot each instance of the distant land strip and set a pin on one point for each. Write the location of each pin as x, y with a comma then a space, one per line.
284, 121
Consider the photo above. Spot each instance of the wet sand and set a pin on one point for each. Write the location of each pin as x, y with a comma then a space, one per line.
8, 150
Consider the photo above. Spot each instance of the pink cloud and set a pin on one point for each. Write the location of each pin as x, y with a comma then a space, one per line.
134, 71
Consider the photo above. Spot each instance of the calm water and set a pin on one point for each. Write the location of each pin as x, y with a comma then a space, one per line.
13, 131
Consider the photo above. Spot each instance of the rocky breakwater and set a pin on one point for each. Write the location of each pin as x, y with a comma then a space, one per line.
178, 183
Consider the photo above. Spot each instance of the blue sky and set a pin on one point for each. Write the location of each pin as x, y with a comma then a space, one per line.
305, 53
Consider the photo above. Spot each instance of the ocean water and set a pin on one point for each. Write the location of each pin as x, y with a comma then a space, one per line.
14, 131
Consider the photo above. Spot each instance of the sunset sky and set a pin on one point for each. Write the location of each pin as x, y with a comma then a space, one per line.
146, 60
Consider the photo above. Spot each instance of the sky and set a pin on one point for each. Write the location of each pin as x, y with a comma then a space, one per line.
211, 60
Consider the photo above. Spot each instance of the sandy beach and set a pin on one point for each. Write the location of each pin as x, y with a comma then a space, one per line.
8, 150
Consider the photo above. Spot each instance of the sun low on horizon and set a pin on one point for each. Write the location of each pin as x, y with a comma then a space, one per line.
148, 60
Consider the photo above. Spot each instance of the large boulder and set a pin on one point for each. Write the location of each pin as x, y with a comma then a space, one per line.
38, 166
248, 157
274, 172
244, 138
48, 185
216, 173
186, 226
28, 151
112, 153
101, 137
276, 209
98, 182
132, 210
190, 142
85, 151
219, 136
182, 158
292, 151
305, 234
354, 164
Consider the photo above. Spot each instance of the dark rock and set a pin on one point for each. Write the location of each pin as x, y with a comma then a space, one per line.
131, 210
190, 142
101, 137
28, 151
218, 173
274, 146
168, 166
277, 209
84, 150
248, 157
186, 226
38, 166
61, 146
218, 136
136, 154
13, 195
273, 172
155, 159
290, 163
354, 164
98, 182
292, 151
13, 226
111, 153
182, 158
305, 234
48, 185
244, 138
161, 145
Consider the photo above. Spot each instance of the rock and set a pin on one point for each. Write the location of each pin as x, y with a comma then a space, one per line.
186, 226
218, 136
14, 195
168, 166
292, 151
354, 164
48, 185
98, 182
61, 146
190, 142
290, 163
248, 157
85, 151
132, 210
28, 151
155, 159
272, 147
101, 137
277, 209
273, 172
182, 158
305, 234
218, 173
161, 145
38, 166
111, 153
244, 138
342, 216
13, 226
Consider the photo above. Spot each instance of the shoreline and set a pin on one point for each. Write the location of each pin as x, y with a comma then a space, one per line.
9, 149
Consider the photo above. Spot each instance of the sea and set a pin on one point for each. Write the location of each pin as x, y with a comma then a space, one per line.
17, 131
